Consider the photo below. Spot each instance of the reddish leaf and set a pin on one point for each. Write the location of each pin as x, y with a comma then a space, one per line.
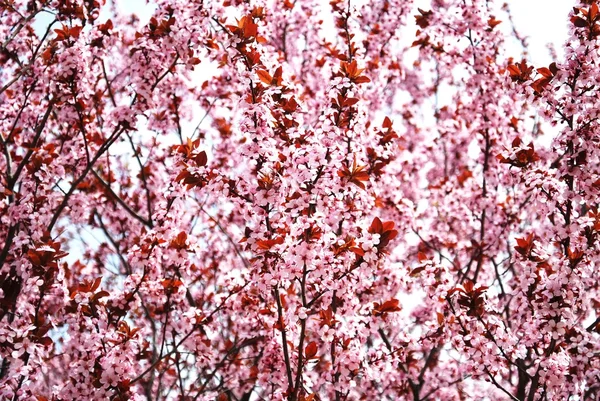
545, 72
423, 20
387, 123
264, 76
525, 245
393, 305
311, 350
520, 72
351, 71
593, 12
356, 175
267, 244
376, 226
179, 242
468, 286
493, 22
579, 22
96, 297
415, 272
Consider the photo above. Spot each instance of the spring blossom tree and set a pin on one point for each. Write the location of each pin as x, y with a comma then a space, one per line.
296, 200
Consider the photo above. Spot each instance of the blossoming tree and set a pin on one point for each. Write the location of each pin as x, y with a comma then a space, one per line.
296, 200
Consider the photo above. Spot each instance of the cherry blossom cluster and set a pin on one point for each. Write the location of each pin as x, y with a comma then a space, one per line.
296, 200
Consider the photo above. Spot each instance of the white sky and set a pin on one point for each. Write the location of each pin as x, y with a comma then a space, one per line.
543, 22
